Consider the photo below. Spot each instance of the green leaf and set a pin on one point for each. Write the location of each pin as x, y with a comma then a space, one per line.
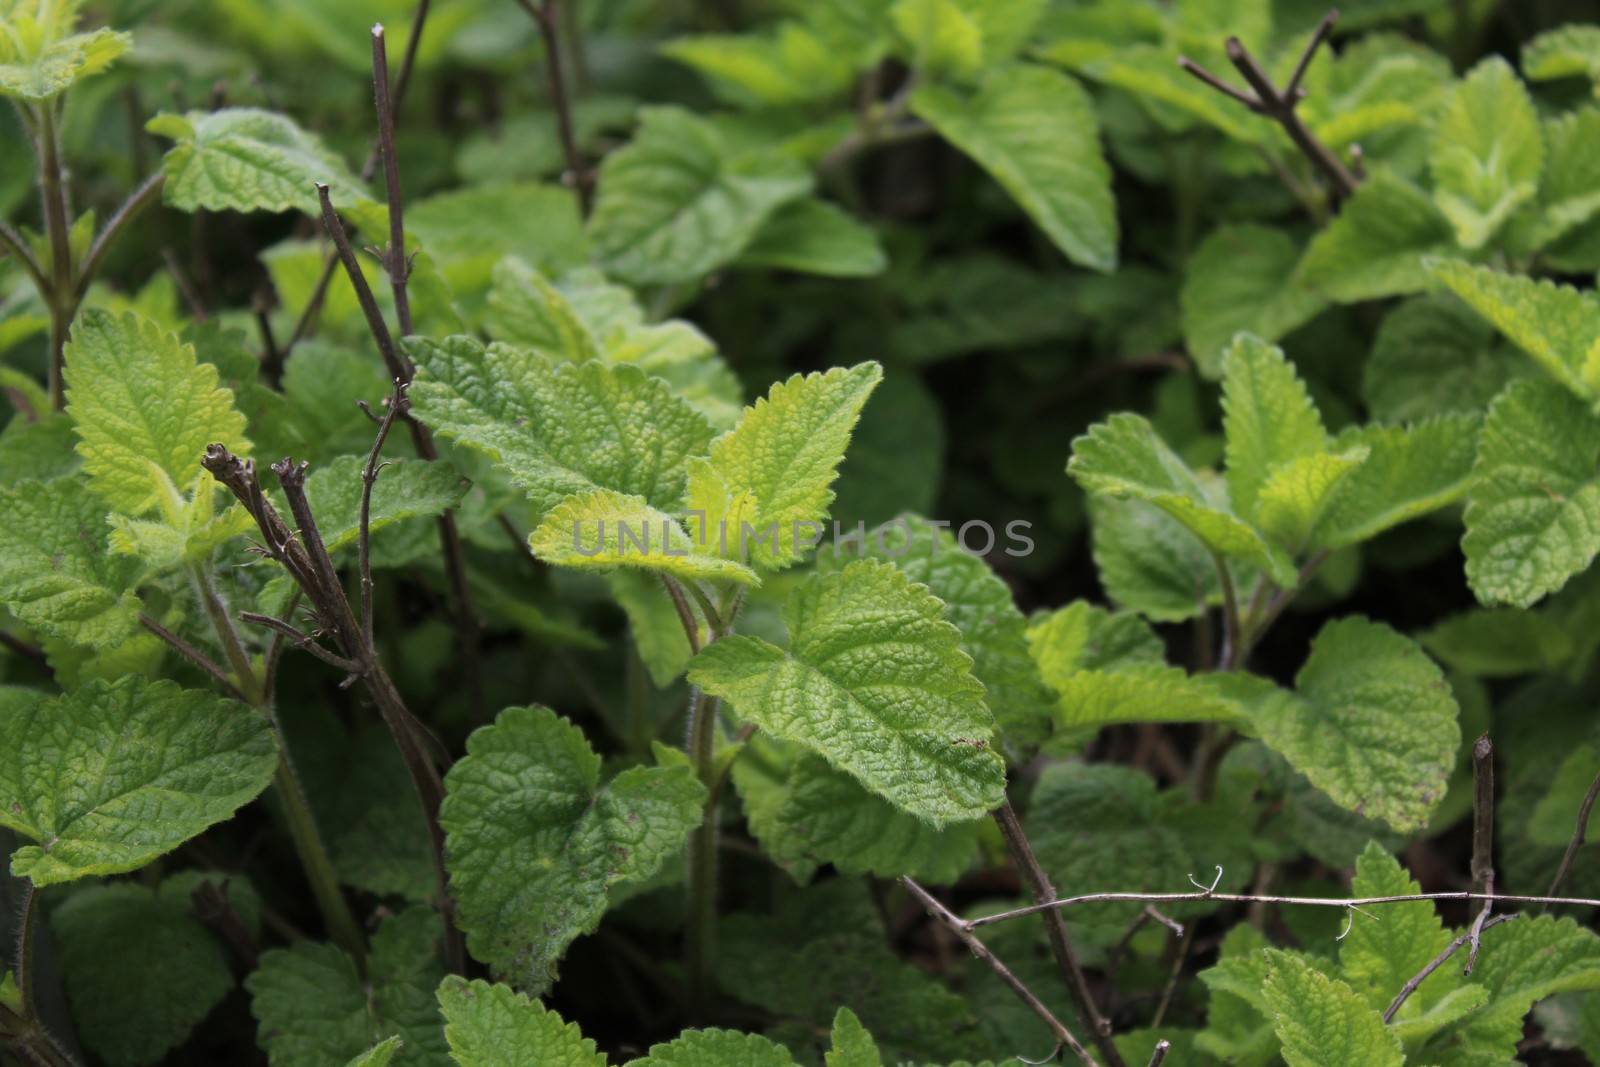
1123, 457
773, 472
874, 681
653, 621
1300, 493
716, 1048
380, 1055
815, 237
1034, 131
108, 777
145, 409
558, 432
40, 450
315, 1009
1533, 515
1409, 472
1378, 958
406, 489
1082, 637
1522, 963
791, 65
1433, 356
535, 842
1553, 819
56, 575
246, 159
852, 1045
1321, 1021
495, 1026
1487, 153
678, 202
1372, 723
1268, 419
141, 970
1242, 279
1375, 246
1557, 325
1148, 561
1567, 195
40, 56
940, 37
1500, 643
605, 529
1571, 51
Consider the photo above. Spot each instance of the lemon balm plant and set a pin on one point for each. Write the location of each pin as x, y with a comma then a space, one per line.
488, 604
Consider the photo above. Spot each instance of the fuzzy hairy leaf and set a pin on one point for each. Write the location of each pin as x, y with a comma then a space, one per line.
774, 471
605, 529
495, 1026
1034, 130
40, 56
1378, 958
145, 409
56, 574
716, 1048
1533, 514
246, 159
1148, 562
108, 777
1268, 419
1409, 471
1242, 279
875, 682
679, 201
1375, 246
852, 1045
1487, 152
406, 489
1321, 1021
1434, 356
535, 841
561, 431
1522, 963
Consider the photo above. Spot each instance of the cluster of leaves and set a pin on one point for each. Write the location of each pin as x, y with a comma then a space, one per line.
1264, 621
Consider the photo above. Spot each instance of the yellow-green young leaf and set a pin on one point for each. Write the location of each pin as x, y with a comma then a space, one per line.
1034, 131
56, 575
815, 237
1083, 637
679, 201
1143, 693
1268, 418
1242, 279
1565, 52
40, 56
791, 65
1409, 472
1377, 958
405, 489
1298, 494
1557, 325
765, 489
145, 409
141, 970
1569, 195
852, 1045
1148, 562
1487, 153
1533, 514
1435, 356
246, 159
535, 841
1375, 246
562, 431
316, 1009
716, 1048
938, 37
875, 682
108, 777
1321, 1021
605, 529
495, 1026
1371, 722
1123, 457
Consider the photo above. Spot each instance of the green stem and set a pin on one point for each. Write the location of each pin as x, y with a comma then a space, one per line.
52, 188
303, 830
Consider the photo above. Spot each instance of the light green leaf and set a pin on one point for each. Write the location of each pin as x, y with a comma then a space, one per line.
1409, 471
380, 1055
1434, 356
535, 842
1372, 722
605, 529
874, 681
1123, 457
141, 970
939, 37
40, 56
315, 1009
1375, 246
246, 159
108, 777
716, 1048
1533, 515
653, 621
1034, 131
1500, 643
773, 472
852, 1045
1321, 1021
495, 1026
1568, 196
1557, 325
816, 237
145, 409
791, 65
678, 202
526, 308
56, 575
1377, 958
1083, 637
1521, 963
1148, 562
1242, 279
1299, 494
1268, 418
1142, 693
1571, 51
561, 431
40, 450
405, 489
1487, 153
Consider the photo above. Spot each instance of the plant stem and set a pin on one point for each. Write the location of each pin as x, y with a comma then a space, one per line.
1433, 965
701, 925
1482, 869
146, 194
58, 227
1580, 834
545, 16
1039, 887
395, 257
23, 965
